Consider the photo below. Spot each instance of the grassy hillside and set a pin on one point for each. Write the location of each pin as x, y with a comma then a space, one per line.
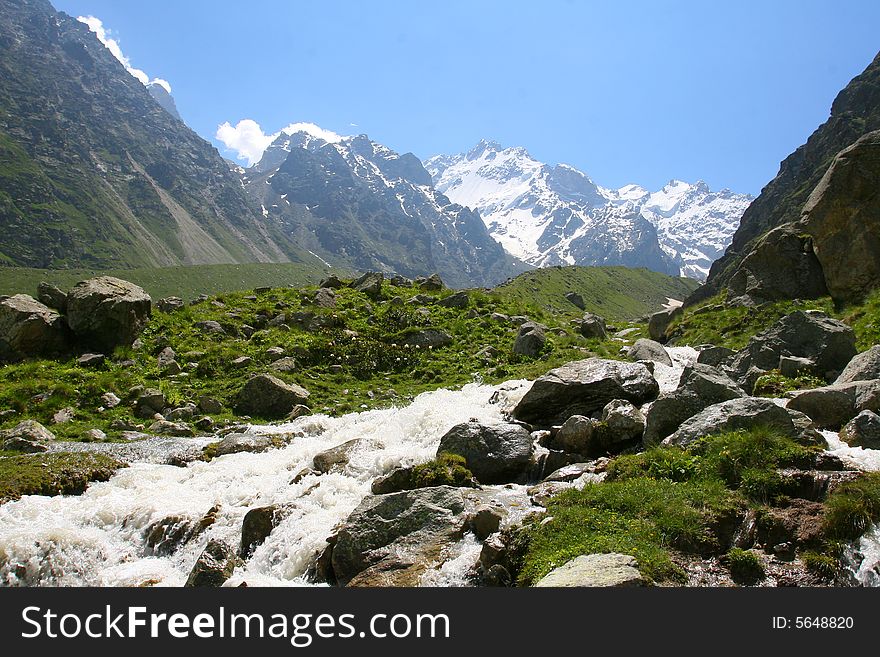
617, 293
184, 282
349, 358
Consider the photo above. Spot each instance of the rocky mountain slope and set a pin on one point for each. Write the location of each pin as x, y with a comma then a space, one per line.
782, 249
356, 202
94, 173
551, 215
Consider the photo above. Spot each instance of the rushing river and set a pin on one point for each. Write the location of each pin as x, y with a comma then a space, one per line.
100, 538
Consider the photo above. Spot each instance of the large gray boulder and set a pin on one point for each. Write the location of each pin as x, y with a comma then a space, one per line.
107, 312
29, 328
27, 436
618, 570
593, 326
658, 323
530, 340
733, 415
370, 284
842, 215
700, 386
582, 388
863, 367
429, 339
267, 396
649, 350
862, 431
391, 540
832, 406
495, 454
622, 422
828, 342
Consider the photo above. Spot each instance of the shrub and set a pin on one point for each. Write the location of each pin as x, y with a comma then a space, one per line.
744, 566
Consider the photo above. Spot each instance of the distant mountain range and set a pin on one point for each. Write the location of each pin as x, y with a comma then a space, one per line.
556, 215
97, 170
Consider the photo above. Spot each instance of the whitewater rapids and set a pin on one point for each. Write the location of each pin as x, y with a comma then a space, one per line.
99, 538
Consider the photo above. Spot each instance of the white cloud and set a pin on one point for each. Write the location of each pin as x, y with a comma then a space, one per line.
96, 25
249, 141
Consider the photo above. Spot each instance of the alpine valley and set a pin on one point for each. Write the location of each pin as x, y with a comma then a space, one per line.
344, 367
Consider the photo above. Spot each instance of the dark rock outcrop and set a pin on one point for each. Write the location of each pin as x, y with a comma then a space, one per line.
267, 396
28, 329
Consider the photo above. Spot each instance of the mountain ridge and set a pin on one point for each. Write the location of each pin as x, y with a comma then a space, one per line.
555, 214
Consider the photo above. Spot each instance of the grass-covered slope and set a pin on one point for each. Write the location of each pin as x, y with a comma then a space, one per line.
357, 358
617, 293
184, 282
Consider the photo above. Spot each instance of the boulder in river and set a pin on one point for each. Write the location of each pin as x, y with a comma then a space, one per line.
830, 407
391, 540
214, 566
582, 388
495, 454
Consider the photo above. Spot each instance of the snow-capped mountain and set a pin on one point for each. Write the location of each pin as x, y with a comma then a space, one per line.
353, 200
550, 215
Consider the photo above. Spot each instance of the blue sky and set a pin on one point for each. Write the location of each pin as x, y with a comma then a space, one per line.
638, 91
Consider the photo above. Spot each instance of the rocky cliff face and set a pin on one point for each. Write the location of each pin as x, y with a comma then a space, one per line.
355, 201
94, 173
808, 217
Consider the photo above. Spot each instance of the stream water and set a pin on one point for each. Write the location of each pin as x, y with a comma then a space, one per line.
101, 538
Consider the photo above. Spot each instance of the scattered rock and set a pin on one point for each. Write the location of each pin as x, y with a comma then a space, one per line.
649, 350
170, 304
457, 300
486, 521
275, 353
862, 431
241, 362
166, 428
52, 296
300, 410
207, 404
795, 366
110, 400
369, 284
325, 297
149, 402
495, 454
331, 282
575, 436
623, 421
658, 323
714, 356
391, 540
583, 388
593, 326
27, 436
236, 443
107, 312
530, 341
267, 396
210, 327
830, 407
700, 386
214, 566
744, 413
576, 299
829, 343
604, 570
257, 525
429, 338
863, 367
336, 458
432, 283
29, 329
94, 436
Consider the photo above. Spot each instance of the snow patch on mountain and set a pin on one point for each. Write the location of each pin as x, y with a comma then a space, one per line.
547, 215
